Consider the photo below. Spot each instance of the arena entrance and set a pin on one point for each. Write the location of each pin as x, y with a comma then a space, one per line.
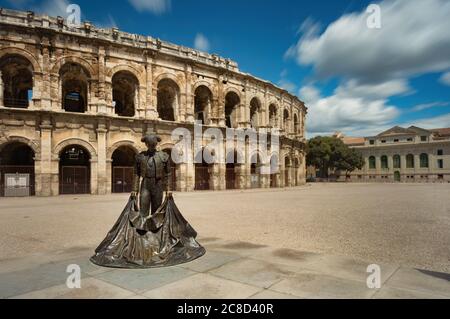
255, 171
123, 160
74, 171
17, 170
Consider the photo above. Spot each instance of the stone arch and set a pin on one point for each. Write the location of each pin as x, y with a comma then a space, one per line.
119, 144
76, 141
229, 89
127, 68
24, 53
20, 139
73, 59
125, 88
204, 104
256, 109
168, 98
207, 84
273, 111
167, 76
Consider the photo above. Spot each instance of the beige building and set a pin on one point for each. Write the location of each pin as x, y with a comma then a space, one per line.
403, 155
75, 102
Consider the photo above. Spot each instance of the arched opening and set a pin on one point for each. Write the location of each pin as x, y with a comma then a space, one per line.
286, 120
296, 124
397, 161
287, 167
274, 170
372, 162
173, 169
16, 81
232, 102
384, 162
74, 86
410, 161
74, 170
125, 88
255, 171
424, 160
123, 160
203, 172
232, 168
17, 170
397, 176
202, 104
255, 110
168, 99
273, 115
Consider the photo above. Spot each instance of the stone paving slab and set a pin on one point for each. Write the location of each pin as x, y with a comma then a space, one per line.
254, 272
203, 286
228, 270
143, 280
91, 288
421, 280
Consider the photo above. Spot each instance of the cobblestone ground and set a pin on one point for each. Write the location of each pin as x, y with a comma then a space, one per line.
404, 224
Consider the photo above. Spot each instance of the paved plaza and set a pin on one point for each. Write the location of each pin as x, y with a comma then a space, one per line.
314, 241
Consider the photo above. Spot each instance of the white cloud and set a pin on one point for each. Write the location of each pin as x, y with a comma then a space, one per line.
426, 106
53, 8
413, 39
201, 42
445, 79
287, 85
440, 121
153, 6
346, 111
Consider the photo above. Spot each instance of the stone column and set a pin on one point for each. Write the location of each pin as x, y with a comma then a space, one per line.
102, 179
45, 187
189, 111
102, 107
109, 176
1, 90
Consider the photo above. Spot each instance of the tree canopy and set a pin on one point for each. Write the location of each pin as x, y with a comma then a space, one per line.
331, 154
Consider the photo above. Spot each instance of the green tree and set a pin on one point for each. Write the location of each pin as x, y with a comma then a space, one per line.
331, 154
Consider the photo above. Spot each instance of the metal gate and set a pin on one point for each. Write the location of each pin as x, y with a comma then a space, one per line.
201, 178
74, 180
273, 180
14, 170
122, 179
230, 178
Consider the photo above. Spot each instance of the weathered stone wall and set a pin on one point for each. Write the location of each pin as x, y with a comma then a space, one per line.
49, 46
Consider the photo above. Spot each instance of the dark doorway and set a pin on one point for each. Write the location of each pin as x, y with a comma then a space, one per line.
17, 77
231, 176
74, 171
17, 159
397, 176
122, 169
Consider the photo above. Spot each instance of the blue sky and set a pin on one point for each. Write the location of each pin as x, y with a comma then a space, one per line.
353, 78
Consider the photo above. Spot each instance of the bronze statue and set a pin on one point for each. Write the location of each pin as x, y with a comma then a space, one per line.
154, 168
141, 240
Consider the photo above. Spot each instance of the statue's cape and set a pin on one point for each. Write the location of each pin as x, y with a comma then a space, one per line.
163, 239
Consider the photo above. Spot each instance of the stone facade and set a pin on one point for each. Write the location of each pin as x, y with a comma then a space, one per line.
403, 155
77, 95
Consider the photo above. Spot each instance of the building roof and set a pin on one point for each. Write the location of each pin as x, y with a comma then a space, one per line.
352, 141
443, 132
